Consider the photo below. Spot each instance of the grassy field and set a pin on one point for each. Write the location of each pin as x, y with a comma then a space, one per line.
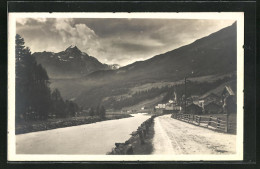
146, 103
147, 86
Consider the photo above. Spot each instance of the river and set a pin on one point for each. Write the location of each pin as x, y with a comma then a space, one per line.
95, 138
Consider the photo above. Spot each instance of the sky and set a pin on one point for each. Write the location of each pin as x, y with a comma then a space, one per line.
114, 41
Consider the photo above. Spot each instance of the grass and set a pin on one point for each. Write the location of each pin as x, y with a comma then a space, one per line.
135, 142
148, 86
147, 147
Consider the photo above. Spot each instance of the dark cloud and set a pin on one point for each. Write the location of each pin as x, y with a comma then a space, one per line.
119, 41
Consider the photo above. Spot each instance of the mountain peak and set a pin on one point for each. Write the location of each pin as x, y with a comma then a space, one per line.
74, 47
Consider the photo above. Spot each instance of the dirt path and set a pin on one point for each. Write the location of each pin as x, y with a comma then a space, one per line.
176, 137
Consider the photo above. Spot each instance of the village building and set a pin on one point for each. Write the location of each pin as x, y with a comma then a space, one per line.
171, 106
193, 109
201, 103
189, 100
171, 101
160, 106
212, 108
204, 100
193, 99
229, 100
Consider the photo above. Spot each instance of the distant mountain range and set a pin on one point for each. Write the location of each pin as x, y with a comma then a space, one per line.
215, 54
212, 55
70, 63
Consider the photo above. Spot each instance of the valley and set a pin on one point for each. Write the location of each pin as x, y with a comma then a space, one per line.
89, 82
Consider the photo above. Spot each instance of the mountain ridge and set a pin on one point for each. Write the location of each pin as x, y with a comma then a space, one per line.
185, 57
70, 63
214, 54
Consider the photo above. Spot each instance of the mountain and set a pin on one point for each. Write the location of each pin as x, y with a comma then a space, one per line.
114, 66
212, 55
69, 63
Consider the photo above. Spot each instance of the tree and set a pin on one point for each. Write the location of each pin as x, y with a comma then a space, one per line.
97, 113
102, 113
92, 111
73, 109
33, 100
59, 107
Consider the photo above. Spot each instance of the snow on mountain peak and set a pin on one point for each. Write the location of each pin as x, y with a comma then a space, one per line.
72, 46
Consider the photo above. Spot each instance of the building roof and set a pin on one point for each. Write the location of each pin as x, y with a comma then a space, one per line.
210, 95
212, 103
193, 105
229, 90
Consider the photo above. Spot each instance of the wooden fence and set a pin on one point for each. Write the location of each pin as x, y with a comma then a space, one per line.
211, 122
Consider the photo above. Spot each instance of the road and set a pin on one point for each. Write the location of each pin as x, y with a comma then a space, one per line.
95, 138
177, 137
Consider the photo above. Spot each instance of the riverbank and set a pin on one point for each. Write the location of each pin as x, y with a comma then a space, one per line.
34, 126
140, 143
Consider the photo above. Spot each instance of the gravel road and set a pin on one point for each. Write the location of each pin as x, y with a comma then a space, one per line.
176, 137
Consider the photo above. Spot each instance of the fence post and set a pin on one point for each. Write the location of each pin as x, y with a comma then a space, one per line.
226, 123
218, 123
209, 122
199, 121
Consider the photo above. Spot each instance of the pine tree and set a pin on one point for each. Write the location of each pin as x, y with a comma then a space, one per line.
32, 85
59, 106
33, 97
102, 113
92, 111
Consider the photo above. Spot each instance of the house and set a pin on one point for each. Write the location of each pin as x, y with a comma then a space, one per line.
195, 99
229, 100
212, 108
171, 106
160, 106
189, 100
227, 91
193, 109
200, 103
210, 98
171, 101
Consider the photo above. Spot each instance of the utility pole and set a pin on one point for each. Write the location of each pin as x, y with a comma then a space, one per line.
185, 82
185, 79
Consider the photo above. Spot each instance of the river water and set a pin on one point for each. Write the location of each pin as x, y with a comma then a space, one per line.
95, 138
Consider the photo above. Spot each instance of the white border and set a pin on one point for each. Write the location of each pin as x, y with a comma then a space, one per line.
238, 16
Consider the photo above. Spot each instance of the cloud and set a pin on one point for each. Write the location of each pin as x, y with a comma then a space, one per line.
78, 34
120, 41
57, 34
